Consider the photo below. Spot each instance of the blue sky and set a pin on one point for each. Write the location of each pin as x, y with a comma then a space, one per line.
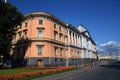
100, 17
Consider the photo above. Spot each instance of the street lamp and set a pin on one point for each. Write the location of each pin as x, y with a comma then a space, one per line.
1, 57
5, 1
28, 59
66, 57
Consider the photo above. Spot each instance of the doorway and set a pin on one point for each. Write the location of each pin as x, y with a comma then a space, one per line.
40, 63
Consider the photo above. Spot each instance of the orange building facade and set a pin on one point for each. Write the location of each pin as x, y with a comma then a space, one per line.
44, 40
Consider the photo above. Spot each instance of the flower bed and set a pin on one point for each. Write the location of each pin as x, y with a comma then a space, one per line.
40, 72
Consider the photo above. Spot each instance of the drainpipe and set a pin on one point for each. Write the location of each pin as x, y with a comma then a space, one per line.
66, 56
49, 46
66, 51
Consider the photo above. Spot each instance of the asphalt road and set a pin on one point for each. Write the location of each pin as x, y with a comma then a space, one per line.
102, 72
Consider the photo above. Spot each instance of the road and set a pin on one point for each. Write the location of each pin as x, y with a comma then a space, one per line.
102, 72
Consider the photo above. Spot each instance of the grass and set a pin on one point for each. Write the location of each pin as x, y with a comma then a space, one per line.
42, 75
18, 70
29, 77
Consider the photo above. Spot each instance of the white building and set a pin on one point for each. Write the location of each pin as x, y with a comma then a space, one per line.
88, 45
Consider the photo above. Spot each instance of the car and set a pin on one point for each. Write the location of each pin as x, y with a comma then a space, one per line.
7, 64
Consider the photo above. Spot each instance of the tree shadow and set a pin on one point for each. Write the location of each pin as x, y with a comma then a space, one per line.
19, 50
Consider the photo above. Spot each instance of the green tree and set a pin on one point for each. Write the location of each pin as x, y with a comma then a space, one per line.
10, 18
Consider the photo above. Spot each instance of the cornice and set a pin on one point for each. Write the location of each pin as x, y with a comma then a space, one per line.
45, 15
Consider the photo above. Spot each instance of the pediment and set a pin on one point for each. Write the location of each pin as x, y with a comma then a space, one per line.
87, 34
81, 28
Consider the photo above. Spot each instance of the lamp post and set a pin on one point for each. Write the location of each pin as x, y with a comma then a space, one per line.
66, 57
5, 1
28, 59
1, 56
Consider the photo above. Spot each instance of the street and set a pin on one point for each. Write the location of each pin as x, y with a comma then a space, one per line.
110, 71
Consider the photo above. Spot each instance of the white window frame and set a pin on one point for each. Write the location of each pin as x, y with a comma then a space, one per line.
55, 35
61, 51
56, 51
40, 35
25, 34
40, 49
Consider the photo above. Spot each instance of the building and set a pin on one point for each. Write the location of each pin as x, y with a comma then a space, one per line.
44, 40
108, 56
88, 46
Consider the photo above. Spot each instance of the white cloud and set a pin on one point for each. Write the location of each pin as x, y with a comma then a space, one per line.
109, 47
108, 43
100, 49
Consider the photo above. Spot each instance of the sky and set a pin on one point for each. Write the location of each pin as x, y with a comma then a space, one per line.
100, 17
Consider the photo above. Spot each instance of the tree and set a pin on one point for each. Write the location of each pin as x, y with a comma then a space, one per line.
10, 18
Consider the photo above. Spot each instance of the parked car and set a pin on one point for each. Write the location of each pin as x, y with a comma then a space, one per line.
7, 64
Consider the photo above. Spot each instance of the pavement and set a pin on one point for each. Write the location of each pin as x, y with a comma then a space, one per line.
63, 76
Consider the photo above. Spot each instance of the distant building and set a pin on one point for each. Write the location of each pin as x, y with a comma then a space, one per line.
115, 56
104, 56
45, 40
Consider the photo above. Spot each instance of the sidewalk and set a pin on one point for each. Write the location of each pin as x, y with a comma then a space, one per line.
64, 75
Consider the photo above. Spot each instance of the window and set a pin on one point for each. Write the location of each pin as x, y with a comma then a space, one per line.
40, 33
75, 53
26, 24
20, 26
61, 51
65, 30
23, 50
14, 38
56, 51
72, 52
40, 21
39, 50
78, 54
61, 59
25, 34
19, 35
55, 26
55, 59
61, 37
55, 35
60, 28
65, 39
18, 51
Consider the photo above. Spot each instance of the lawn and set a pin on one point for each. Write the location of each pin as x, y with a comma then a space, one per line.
31, 73
18, 70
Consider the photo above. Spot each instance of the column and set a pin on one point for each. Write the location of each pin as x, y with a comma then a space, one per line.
72, 37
